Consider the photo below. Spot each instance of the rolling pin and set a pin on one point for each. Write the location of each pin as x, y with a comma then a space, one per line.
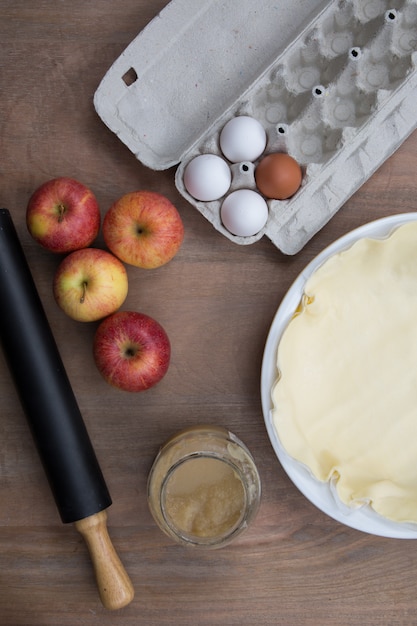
54, 418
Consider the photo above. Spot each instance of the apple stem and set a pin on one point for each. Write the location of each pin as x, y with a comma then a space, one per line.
61, 212
84, 287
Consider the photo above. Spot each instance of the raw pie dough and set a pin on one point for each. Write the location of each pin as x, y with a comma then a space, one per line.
345, 403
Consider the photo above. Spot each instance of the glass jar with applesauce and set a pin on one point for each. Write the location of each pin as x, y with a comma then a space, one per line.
204, 488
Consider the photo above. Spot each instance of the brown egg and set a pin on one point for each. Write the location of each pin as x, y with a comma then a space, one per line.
278, 176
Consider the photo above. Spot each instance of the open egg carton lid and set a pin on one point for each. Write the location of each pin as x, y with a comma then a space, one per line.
332, 82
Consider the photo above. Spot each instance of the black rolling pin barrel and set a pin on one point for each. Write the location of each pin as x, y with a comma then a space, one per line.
57, 426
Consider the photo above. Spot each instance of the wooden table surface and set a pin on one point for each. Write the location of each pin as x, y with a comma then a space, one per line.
294, 565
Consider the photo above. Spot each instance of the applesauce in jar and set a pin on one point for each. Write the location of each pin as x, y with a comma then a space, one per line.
204, 488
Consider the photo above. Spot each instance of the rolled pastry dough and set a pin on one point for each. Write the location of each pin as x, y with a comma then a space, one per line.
345, 402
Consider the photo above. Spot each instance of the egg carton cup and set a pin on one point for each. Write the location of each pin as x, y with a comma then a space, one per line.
332, 82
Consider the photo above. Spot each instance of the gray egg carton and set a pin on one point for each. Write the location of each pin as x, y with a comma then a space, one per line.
333, 83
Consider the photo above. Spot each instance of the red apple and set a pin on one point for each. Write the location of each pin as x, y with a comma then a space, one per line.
143, 228
90, 284
63, 215
131, 350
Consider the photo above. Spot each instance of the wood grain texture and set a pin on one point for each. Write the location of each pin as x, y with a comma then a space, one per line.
294, 566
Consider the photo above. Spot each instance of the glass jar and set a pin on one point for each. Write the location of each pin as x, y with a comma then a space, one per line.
204, 488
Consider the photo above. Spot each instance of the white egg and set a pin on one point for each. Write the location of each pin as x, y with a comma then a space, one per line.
207, 177
244, 212
242, 139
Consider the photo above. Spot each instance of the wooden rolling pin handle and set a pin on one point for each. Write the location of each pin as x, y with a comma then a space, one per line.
114, 585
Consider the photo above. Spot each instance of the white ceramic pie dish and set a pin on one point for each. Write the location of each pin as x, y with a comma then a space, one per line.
319, 493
